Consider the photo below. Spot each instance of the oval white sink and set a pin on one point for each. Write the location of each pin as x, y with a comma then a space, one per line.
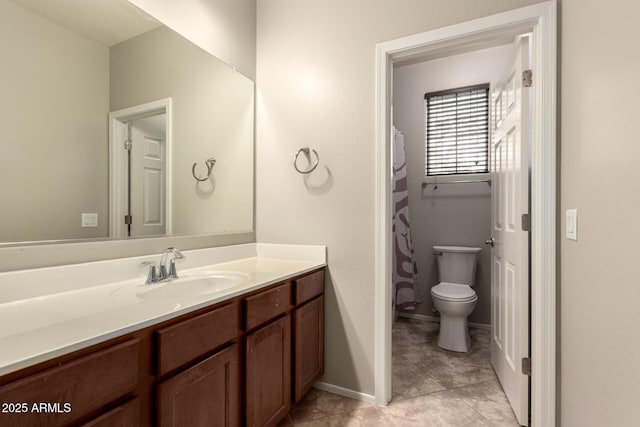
192, 286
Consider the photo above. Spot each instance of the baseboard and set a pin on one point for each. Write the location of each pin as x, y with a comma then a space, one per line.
437, 320
331, 388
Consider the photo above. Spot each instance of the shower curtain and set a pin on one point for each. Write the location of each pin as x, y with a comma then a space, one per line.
405, 296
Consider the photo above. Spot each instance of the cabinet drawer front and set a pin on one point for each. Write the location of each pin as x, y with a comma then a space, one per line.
181, 343
309, 286
268, 304
85, 384
207, 394
127, 415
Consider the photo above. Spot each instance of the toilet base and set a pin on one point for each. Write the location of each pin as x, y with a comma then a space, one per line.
454, 334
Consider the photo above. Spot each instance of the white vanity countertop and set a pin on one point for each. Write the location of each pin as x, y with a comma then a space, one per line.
40, 321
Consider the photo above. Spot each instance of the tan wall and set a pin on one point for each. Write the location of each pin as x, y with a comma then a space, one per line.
455, 214
600, 280
315, 87
46, 126
212, 117
224, 28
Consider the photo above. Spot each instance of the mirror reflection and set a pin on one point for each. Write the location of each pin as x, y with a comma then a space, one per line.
116, 126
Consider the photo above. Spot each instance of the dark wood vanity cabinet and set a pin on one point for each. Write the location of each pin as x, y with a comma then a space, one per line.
239, 362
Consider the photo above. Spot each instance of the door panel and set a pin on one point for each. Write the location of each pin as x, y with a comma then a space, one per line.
148, 178
510, 260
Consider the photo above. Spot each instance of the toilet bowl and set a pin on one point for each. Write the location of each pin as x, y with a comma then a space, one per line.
454, 297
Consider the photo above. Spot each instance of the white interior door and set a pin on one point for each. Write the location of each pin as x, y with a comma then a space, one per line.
509, 256
148, 170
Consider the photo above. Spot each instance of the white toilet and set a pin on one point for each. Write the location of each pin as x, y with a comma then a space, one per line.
454, 297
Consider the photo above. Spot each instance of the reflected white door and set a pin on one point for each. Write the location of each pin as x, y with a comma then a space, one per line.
148, 170
509, 256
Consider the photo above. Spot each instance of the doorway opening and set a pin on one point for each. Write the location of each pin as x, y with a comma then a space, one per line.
463, 158
140, 170
540, 21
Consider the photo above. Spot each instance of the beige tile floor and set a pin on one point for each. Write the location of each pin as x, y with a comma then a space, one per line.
431, 388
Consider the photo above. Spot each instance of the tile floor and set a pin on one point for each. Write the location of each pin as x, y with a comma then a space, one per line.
431, 388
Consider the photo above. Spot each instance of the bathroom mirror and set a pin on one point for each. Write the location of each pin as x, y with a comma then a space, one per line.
115, 127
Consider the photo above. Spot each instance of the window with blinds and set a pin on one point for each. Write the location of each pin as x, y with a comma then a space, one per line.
457, 131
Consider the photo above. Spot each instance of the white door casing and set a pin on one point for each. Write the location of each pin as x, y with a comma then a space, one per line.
510, 254
148, 171
541, 20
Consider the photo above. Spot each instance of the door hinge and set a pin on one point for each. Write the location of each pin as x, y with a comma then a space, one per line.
127, 145
527, 78
526, 222
128, 219
526, 366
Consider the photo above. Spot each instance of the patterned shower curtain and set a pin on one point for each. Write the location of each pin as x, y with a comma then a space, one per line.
404, 266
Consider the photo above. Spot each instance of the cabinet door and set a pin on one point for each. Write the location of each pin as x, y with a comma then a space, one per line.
268, 373
126, 415
206, 394
309, 345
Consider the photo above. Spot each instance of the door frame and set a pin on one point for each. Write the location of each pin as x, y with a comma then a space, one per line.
541, 20
118, 161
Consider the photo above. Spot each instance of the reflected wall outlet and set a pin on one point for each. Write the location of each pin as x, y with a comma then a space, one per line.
572, 224
89, 220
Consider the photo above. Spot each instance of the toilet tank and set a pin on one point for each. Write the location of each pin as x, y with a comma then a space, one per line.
457, 264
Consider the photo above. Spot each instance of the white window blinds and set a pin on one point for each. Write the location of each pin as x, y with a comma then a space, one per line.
457, 131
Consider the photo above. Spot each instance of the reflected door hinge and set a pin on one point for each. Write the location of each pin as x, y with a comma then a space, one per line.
526, 366
526, 222
527, 78
128, 219
127, 145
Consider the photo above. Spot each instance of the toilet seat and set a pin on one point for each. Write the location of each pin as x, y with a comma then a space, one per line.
454, 292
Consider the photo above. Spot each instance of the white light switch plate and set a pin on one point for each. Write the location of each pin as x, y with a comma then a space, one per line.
572, 224
89, 220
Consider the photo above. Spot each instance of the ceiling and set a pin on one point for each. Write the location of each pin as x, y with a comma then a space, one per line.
107, 22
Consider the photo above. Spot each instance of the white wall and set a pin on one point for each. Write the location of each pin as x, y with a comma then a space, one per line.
68, 142
455, 214
315, 87
600, 279
224, 28
212, 117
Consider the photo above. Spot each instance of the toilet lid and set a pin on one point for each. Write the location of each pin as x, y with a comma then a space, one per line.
453, 292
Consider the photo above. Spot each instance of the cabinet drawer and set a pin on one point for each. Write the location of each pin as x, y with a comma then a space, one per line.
183, 342
268, 304
85, 384
309, 286
126, 415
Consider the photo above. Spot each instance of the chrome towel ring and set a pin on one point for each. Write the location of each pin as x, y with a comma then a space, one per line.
306, 151
210, 163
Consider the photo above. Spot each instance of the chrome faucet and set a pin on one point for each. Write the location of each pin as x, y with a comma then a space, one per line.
160, 274
163, 275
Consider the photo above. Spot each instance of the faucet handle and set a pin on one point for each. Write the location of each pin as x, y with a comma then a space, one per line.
152, 276
173, 274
